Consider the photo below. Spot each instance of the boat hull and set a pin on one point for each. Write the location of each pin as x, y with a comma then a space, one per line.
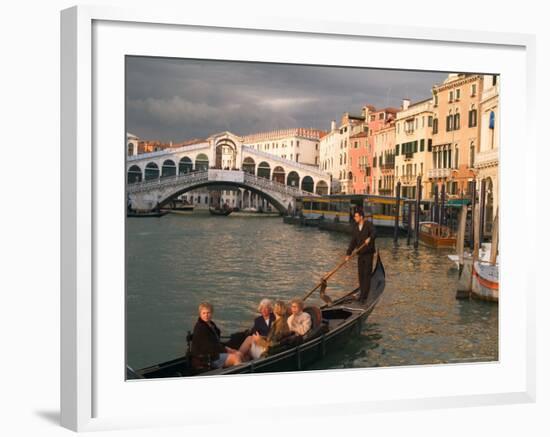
485, 284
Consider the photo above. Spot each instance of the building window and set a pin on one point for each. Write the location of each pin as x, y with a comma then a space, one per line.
422, 145
397, 150
457, 94
494, 79
449, 125
456, 157
450, 96
456, 124
472, 118
474, 90
472, 155
435, 126
297, 143
430, 121
435, 99
355, 144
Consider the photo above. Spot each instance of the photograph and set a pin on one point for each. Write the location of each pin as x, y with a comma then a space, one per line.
292, 217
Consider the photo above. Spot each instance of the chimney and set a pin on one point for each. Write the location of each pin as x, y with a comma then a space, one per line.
406, 103
333, 125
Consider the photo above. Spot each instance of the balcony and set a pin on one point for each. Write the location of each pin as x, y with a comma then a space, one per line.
386, 191
388, 166
408, 179
436, 173
408, 155
487, 158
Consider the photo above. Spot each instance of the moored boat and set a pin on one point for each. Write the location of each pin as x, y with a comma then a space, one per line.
220, 211
485, 283
332, 325
146, 214
435, 235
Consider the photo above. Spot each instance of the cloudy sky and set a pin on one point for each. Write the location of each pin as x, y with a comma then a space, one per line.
180, 99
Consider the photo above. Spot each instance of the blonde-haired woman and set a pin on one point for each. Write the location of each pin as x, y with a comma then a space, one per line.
206, 347
255, 345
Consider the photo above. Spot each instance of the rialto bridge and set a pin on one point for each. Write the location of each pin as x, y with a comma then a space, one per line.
221, 161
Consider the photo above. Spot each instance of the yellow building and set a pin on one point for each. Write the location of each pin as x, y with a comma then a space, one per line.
487, 156
413, 149
455, 132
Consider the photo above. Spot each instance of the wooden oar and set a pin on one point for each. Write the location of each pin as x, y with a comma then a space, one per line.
338, 267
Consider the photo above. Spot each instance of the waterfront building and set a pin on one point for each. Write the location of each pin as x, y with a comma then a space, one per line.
487, 155
360, 158
455, 133
413, 148
381, 127
335, 149
299, 145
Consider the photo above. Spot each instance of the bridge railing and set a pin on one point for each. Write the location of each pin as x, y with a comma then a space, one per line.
274, 185
202, 176
191, 178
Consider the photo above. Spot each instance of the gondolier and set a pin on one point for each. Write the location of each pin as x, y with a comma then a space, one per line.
363, 232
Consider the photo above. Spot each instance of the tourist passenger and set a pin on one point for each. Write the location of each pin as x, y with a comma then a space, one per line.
263, 322
255, 345
206, 346
299, 322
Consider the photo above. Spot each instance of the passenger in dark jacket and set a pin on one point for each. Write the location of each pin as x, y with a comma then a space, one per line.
206, 347
363, 232
263, 322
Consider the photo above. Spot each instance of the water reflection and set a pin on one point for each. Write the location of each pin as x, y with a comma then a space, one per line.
175, 262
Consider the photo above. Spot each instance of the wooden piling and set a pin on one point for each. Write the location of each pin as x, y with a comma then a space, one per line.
435, 214
464, 271
482, 211
473, 210
409, 221
417, 210
442, 206
397, 201
494, 240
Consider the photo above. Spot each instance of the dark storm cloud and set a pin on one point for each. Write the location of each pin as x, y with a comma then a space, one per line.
169, 99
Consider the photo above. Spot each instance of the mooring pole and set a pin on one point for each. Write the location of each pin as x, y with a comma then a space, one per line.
472, 220
442, 207
397, 199
481, 210
417, 210
409, 221
435, 214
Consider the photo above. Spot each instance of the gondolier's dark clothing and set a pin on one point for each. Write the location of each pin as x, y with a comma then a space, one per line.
261, 327
206, 344
364, 260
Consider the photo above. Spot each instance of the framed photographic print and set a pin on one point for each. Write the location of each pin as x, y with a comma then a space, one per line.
296, 204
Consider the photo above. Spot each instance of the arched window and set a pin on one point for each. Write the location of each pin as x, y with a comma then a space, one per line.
279, 174
151, 171
264, 170
322, 188
249, 166
307, 184
130, 149
201, 162
168, 168
185, 165
293, 179
134, 174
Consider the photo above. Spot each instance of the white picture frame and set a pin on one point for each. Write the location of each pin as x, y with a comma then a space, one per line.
94, 394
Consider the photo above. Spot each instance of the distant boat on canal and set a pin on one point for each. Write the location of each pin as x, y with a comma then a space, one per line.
146, 214
180, 205
224, 211
435, 235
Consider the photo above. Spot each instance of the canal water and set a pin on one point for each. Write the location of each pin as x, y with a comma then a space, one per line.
177, 261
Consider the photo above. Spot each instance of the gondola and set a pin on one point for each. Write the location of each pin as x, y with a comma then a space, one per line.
220, 211
332, 325
146, 214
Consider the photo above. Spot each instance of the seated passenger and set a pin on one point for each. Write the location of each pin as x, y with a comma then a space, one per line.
255, 345
298, 322
206, 347
262, 323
